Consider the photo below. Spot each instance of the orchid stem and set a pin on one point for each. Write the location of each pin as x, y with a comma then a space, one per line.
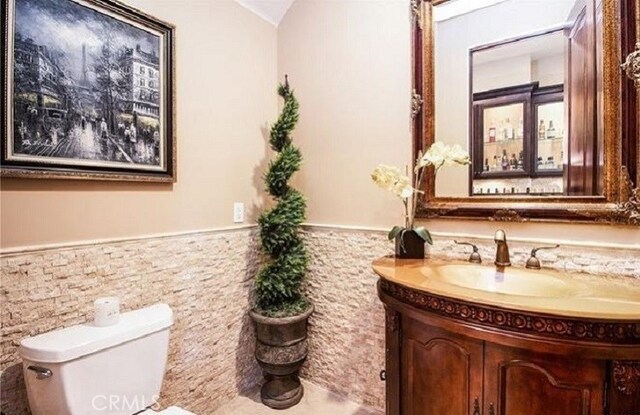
416, 186
406, 213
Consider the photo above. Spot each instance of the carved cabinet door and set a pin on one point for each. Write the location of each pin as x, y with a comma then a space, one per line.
518, 382
441, 372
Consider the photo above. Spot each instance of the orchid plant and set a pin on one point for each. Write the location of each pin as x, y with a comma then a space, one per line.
392, 179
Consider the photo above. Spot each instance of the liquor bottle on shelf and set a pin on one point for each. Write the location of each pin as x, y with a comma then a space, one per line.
501, 132
505, 160
495, 164
486, 164
520, 132
550, 164
542, 131
551, 132
521, 161
492, 132
509, 134
513, 162
539, 163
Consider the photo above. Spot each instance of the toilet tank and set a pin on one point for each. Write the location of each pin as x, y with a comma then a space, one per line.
84, 369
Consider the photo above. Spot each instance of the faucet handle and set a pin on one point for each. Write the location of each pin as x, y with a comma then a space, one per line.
533, 262
474, 258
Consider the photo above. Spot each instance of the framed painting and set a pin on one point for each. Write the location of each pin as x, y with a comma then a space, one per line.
88, 92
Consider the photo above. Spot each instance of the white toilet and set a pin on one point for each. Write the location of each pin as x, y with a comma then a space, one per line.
89, 370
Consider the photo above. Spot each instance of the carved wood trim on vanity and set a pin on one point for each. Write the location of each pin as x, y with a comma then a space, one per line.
392, 318
393, 335
626, 376
618, 332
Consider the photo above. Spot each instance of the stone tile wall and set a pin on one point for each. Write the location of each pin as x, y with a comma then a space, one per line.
206, 279
618, 264
346, 333
346, 351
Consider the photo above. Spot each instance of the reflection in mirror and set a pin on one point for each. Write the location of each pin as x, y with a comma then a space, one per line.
518, 84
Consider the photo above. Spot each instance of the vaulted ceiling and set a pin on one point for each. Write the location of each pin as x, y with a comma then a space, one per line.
271, 10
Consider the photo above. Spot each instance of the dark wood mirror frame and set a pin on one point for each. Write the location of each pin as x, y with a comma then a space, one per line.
620, 202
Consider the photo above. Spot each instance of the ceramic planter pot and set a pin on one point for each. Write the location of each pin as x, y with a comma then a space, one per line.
409, 245
281, 349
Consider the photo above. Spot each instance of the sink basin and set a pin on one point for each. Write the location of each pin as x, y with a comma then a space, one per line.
511, 281
539, 291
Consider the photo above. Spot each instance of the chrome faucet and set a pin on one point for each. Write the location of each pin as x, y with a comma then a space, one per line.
502, 250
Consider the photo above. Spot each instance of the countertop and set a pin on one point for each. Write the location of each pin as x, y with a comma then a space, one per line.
540, 291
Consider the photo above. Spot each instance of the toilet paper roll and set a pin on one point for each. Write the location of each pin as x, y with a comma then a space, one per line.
106, 311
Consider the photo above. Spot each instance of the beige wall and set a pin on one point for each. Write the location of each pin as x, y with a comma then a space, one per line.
350, 64
226, 66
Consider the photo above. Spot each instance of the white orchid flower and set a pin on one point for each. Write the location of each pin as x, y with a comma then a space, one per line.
435, 155
385, 176
403, 188
459, 156
440, 154
390, 178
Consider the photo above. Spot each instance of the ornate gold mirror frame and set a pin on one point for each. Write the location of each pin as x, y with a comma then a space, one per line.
620, 203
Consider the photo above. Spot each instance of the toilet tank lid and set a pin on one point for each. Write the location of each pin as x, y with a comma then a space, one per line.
73, 342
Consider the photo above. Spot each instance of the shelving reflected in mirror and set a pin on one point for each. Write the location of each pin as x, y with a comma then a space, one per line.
519, 86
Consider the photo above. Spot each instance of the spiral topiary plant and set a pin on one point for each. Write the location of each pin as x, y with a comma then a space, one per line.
278, 283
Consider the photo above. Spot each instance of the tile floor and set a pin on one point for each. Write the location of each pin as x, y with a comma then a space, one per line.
316, 401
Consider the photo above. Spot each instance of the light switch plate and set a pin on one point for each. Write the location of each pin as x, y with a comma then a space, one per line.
238, 212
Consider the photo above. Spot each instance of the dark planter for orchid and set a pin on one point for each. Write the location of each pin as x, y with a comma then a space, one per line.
410, 242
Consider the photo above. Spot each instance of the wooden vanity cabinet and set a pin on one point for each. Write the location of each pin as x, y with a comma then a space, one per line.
520, 382
447, 365
443, 372
450, 357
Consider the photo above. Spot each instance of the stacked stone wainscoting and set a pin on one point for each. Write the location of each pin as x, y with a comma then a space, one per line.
346, 334
206, 278
620, 265
346, 331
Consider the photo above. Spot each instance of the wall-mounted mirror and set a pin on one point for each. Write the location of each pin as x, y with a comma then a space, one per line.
532, 89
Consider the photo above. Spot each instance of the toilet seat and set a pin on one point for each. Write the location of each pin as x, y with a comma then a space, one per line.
173, 410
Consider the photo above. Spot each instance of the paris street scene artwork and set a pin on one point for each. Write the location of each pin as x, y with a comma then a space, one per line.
86, 86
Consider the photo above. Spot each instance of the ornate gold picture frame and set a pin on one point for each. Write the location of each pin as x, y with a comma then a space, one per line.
619, 202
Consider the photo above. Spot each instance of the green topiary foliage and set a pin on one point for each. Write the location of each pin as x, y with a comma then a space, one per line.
279, 281
287, 121
281, 170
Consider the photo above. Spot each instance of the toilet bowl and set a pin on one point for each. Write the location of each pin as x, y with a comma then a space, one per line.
114, 370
